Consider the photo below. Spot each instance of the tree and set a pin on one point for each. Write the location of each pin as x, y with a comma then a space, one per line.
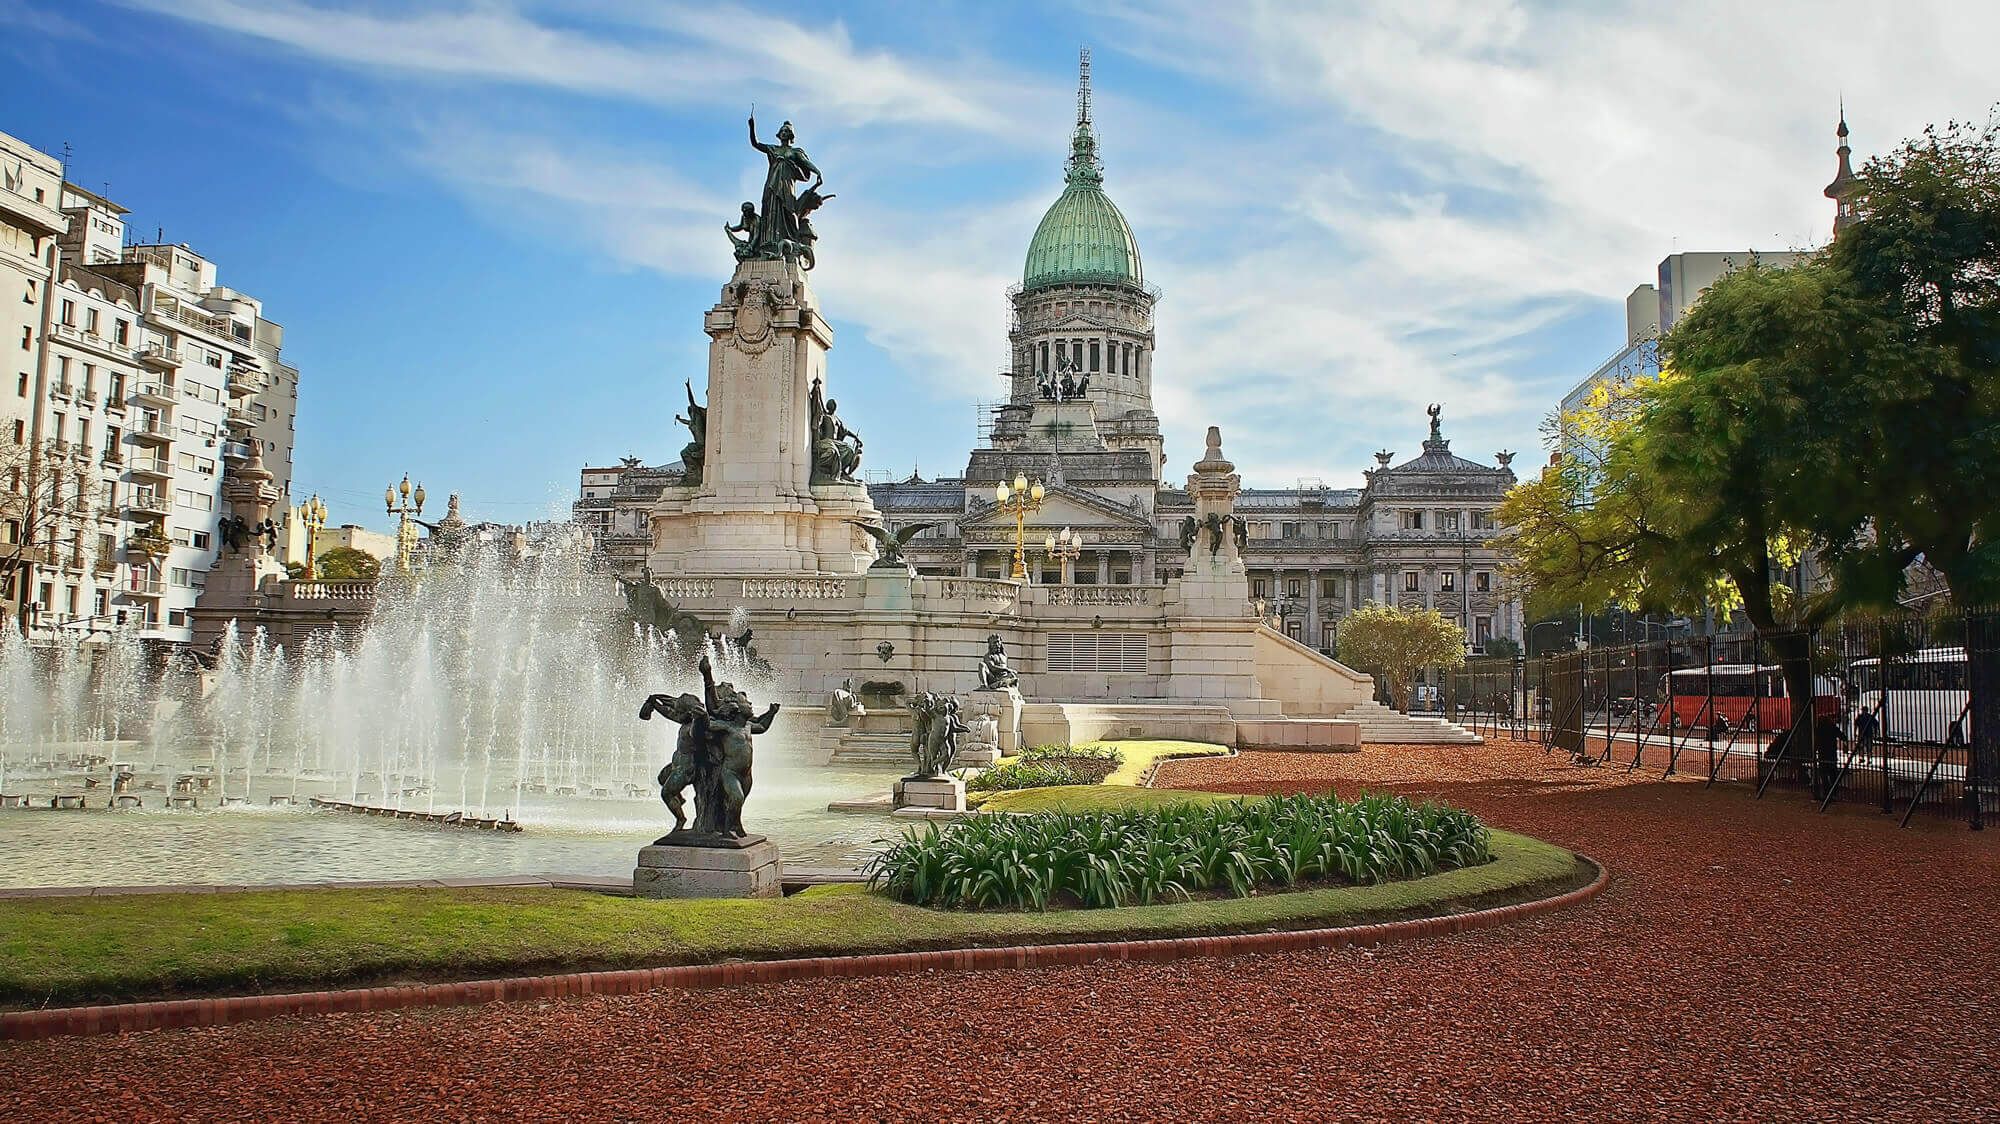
344, 563
1923, 414
48, 497
1502, 646
1399, 643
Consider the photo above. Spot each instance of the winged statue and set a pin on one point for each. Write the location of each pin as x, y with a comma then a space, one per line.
889, 544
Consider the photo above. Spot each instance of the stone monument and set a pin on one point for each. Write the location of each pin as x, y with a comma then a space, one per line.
998, 702
773, 492
716, 858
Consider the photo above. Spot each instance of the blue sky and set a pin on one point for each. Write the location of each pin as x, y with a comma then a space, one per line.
490, 228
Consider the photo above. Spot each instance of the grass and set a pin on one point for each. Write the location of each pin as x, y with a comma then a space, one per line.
79, 950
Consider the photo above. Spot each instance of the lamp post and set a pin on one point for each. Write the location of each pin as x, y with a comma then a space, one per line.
1020, 499
406, 530
1063, 548
312, 516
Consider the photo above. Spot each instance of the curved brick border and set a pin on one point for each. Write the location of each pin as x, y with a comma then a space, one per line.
119, 1018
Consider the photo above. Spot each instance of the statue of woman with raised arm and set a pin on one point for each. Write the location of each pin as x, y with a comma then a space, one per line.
778, 217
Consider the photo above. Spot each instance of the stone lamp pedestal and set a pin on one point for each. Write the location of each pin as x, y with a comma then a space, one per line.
685, 864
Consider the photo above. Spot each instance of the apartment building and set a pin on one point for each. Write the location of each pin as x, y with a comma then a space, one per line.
140, 375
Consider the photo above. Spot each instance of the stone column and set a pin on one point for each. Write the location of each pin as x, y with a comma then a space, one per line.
1103, 567
1312, 609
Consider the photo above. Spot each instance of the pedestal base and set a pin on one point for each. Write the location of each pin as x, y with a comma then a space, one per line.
943, 793
745, 868
1002, 705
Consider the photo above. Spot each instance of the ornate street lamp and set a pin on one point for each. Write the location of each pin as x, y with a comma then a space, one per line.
312, 516
406, 530
1019, 500
1063, 548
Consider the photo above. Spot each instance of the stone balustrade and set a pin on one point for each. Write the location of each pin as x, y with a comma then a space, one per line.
978, 589
794, 589
315, 590
1102, 594
687, 589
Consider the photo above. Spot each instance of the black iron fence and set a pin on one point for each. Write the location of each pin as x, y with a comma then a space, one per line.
1902, 712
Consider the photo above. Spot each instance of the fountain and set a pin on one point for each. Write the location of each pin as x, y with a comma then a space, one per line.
493, 689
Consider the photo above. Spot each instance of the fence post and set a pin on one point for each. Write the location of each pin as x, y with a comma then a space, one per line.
1980, 734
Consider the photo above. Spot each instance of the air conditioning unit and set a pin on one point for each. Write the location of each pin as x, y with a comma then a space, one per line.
210, 443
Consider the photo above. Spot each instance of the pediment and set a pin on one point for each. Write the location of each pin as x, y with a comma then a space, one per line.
1065, 506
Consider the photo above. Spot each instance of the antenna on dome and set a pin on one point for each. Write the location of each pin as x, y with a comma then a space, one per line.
1083, 85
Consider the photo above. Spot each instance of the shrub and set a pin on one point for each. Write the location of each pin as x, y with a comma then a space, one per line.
1047, 766
1145, 855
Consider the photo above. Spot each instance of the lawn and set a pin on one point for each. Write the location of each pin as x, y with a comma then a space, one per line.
72, 950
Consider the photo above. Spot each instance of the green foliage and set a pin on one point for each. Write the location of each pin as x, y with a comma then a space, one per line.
295, 570
344, 563
1147, 855
1050, 766
1502, 646
1848, 406
1399, 643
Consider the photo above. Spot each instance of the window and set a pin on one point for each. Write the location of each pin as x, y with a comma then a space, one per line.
1292, 588
215, 359
1482, 521
1288, 530
1413, 521
178, 575
257, 411
22, 390
1447, 521
69, 313
1329, 588
1482, 582
1482, 631
101, 606
122, 332
27, 339
1258, 587
1093, 355
175, 617
200, 540
1448, 582
115, 392
90, 320
1413, 582
197, 501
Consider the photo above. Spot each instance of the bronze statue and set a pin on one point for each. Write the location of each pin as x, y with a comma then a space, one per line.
234, 531
1437, 427
695, 452
836, 450
934, 734
994, 674
1190, 529
713, 752
745, 225
809, 201
777, 234
1214, 525
889, 544
1242, 535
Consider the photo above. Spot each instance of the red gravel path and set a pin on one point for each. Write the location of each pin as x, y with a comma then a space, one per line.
1754, 961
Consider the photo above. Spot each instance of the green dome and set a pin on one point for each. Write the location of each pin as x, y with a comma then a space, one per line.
1083, 237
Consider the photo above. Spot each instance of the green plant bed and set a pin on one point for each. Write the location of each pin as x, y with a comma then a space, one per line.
1175, 851
58, 951
1096, 798
1049, 766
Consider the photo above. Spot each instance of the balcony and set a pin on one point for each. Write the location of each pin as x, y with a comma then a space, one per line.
113, 457
153, 431
158, 356
243, 382
148, 501
236, 450
155, 393
62, 391
137, 586
156, 467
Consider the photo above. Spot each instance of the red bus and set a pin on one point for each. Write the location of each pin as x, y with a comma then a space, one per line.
1739, 695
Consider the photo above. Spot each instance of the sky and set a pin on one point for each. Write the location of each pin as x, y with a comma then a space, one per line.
491, 227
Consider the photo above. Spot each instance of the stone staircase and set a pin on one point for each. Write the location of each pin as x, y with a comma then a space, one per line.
1380, 724
875, 739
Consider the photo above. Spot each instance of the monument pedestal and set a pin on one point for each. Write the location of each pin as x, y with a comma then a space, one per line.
1003, 705
717, 867
756, 509
945, 794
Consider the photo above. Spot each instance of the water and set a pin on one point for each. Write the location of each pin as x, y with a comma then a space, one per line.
495, 688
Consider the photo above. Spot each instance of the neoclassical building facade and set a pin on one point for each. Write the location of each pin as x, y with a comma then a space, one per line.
1079, 416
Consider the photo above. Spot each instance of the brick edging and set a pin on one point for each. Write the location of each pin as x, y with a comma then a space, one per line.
172, 1013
